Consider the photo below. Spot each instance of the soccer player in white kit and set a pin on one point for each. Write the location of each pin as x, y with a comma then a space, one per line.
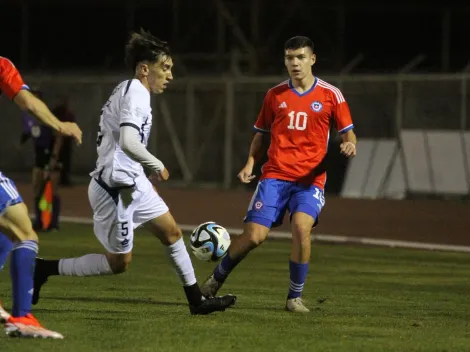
120, 194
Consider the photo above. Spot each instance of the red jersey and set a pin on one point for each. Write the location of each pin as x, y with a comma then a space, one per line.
10, 79
299, 124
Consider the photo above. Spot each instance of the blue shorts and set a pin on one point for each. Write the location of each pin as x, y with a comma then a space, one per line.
273, 197
8, 194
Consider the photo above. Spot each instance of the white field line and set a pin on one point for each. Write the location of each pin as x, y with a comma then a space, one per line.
321, 238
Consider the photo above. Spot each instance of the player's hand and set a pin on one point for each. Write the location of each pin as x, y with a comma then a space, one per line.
245, 175
159, 176
71, 129
348, 149
164, 175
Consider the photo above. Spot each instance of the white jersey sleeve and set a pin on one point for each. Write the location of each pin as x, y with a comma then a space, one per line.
130, 144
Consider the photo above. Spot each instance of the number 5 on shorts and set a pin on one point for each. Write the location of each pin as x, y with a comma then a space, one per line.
124, 228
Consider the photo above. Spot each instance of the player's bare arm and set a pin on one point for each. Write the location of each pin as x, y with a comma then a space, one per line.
257, 149
26, 101
348, 145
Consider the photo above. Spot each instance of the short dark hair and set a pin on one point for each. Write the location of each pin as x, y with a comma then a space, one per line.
144, 46
298, 42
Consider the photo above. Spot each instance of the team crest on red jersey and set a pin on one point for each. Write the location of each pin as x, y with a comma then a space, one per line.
316, 106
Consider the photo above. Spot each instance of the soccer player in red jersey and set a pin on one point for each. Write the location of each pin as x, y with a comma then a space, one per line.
15, 223
296, 115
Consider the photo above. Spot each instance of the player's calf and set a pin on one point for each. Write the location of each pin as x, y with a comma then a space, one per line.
87, 265
119, 262
253, 235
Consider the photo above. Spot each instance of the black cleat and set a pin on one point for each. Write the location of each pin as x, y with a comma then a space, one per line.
213, 304
40, 278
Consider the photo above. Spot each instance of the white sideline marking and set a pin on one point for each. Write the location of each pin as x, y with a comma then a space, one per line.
322, 238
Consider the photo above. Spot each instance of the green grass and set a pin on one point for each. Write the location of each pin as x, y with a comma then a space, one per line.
376, 300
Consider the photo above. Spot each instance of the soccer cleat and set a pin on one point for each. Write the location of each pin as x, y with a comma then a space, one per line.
4, 315
40, 278
213, 304
210, 287
296, 305
28, 326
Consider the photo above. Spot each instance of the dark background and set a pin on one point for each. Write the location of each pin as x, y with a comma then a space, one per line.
89, 34
77, 47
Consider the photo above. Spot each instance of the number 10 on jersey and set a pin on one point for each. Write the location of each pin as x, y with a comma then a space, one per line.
298, 120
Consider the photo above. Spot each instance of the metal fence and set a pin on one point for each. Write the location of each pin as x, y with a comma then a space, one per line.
203, 126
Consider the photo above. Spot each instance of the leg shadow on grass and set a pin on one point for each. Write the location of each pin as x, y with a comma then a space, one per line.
114, 300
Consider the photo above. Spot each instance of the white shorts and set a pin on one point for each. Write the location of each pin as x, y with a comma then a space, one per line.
116, 213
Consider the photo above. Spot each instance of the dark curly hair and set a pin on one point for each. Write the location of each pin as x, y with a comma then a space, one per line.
144, 46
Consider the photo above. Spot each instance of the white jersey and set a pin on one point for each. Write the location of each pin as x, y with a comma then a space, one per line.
128, 105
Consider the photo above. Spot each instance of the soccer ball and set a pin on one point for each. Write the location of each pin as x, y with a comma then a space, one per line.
209, 241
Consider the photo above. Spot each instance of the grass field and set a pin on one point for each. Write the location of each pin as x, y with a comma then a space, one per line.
376, 300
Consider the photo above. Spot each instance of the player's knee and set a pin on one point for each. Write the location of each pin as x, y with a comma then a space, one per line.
301, 230
120, 263
119, 267
31, 235
20, 236
24, 233
15, 223
171, 235
256, 237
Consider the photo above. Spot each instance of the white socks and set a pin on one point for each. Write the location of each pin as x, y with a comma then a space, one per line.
179, 257
88, 265
97, 264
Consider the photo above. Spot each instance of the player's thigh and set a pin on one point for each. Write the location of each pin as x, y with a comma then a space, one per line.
164, 227
305, 206
14, 218
268, 203
16, 224
112, 218
155, 216
301, 227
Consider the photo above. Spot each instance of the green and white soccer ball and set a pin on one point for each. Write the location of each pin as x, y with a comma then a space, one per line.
209, 241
